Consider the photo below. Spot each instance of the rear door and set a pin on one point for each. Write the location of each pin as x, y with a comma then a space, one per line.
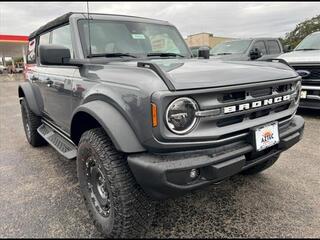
56, 81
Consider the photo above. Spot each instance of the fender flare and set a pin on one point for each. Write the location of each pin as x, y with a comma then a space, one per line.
114, 124
25, 90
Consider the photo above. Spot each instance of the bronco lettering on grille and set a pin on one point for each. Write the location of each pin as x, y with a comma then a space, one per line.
255, 104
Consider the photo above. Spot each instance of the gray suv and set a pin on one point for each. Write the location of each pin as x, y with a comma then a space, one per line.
144, 119
247, 49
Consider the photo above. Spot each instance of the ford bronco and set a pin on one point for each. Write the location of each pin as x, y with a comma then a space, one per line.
305, 59
145, 120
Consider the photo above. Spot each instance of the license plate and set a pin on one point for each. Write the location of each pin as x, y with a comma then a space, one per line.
303, 94
266, 136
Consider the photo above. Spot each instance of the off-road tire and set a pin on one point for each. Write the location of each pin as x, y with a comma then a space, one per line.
260, 167
131, 210
31, 122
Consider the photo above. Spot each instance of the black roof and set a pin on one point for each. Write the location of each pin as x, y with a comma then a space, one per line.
65, 19
58, 21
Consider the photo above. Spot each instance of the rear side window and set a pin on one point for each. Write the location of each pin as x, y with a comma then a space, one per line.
44, 39
31, 58
261, 46
273, 47
62, 36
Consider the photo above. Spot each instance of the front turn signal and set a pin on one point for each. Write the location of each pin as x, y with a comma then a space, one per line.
154, 115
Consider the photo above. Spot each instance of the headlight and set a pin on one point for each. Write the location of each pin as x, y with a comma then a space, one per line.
181, 115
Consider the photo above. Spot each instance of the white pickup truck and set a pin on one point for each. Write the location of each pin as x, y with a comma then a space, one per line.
305, 59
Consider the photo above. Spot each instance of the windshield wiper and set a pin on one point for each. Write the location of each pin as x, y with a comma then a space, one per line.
118, 54
225, 53
307, 49
164, 54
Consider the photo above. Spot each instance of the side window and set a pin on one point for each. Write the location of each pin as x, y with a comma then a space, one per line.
62, 36
261, 46
273, 47
31, 58
44, 39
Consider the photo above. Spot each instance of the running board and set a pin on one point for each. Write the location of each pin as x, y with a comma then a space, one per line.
57, 141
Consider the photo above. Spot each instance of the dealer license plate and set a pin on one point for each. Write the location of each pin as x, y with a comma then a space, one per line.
266, 136
303, 94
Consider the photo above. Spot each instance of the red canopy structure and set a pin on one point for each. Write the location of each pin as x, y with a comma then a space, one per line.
13, 46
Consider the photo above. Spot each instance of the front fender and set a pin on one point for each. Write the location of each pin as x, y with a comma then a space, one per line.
114, 124
25, 90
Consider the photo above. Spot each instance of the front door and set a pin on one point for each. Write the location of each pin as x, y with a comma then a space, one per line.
57, 92
56, 81
260, 45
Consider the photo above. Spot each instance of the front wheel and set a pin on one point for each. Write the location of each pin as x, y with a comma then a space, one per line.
116, 203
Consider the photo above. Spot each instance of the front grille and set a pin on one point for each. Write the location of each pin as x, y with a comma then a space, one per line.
218, 125
247, 97
261, 92
233, 96
230, 121
282, 108
314, 71
283, 88
259, 113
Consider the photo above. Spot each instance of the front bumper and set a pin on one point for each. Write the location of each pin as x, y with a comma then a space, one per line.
312, 99
167, 175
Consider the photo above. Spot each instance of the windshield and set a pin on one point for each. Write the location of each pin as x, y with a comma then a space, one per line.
311, 42
239, 46
131, 38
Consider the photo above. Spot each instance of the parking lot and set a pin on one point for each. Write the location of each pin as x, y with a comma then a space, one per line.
40, 196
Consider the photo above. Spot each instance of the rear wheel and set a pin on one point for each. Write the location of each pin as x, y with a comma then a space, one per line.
261, 167
116, 203
31, 122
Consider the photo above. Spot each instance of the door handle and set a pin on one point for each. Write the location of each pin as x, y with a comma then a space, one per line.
49, 82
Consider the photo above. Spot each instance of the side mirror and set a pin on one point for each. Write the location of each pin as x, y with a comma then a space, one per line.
54, 55
287, 48
255, 54
204, 52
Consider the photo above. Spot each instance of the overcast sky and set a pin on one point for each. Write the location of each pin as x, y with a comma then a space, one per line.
229, 19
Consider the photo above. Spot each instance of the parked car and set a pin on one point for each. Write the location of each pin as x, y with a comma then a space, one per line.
2, 69
144, 119
247, 49
305, 59
19, 68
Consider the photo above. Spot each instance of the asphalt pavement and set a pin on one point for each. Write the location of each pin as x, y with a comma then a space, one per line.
40, 195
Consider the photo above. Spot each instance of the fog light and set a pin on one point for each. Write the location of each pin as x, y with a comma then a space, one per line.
194, 173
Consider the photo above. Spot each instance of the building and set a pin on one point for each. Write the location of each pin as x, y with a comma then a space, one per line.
13, 46
205, 39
